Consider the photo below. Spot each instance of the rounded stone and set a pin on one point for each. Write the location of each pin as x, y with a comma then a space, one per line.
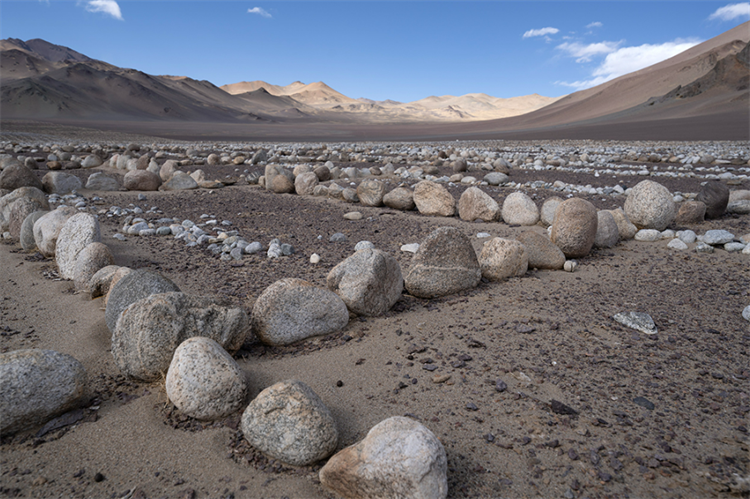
574, 227
607, 233
370, 192
547, 213
715, 195
79, 231
625, 228
691, 212
503, 258
433, 199
19, 210
369, 282
17, 175
400, 198
91, 260
60, 183
47, 228
475, 204
134, 286
541, 252
520, 209
141, 180
28, 243
289, 422
204, 381
305, 183
650, 206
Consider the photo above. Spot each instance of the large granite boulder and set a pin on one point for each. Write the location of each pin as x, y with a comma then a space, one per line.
574, 228
133, 286
79, 231
650, 206
433, 199
475, 204
369, 282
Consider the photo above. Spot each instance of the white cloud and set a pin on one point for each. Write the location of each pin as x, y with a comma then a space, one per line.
595, 24
109, 7
629, 59
540, 32
259, 11
584, 53
731, 11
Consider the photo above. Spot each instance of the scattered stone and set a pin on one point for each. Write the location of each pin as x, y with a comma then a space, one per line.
503, 258
574, 227
79, 231
99, 181
691, 212
496, 178
475, 204
363, 245
746, 313
18, 210
289, 422
353, 215
625, 228
520, 209
702, 247
371, 192
369, 282
717, 237
17, 175
549, 208
180, 181
292, 309
644, 402
37, 386
686, 236
541, 252
398, 458
100, 282
305, 183
715, 195
149, 330
338, 237
648, 235
90, 260
650, 206
607, 233
60, 183
91, 161
444, 264
734, 247
432, 199
400, 198
141, 180
677, 244
637, 320
560, 408
204, 381
410, 248
26, 237
131, 287
570, 265
314, 258
740, 207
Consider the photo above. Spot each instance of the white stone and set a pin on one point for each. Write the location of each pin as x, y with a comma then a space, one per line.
677, 244
648, 235
410, 248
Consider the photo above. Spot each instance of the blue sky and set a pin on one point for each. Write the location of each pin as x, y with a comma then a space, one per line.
380, 50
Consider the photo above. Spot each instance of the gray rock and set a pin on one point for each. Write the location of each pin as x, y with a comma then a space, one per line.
400, 198
691, 212
289, 422
363, 245
717, 237
746, 313
91, 260
168, 169
625, 228
338, 237
259, 157
305, 183
549, 207
27, 230
323, 173
650, 206
149, 330
541, 252
475, 204
204, 381
141, 180
101, 281
349, 195
686, 236
91, 161
740, 207
432, 199
369, 282
607, 233
503, 258
99, 181
371, 192
715, 195
734, 247
648, 235
637, 320
398, 458
37, 386
60, 183
520, 209
444, 264
79, 231
18, 210
132, 287
180, 181
704, 248
496, 178
17, 175
47, 229
291, 310
9, 198
574, 228
254, 247
677, 244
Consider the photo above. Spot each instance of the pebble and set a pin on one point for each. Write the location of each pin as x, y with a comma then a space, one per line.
482, 235
501, 386
686, 236
570, 265
163, 231
704, 248
338, 238
442, 378
717, 237
677, 244
639, 321
353, 215
734, 247
364, 245
746, 313
410, 248
643, 402
647, 235
236, 253
315, 258
254, 247
117, 236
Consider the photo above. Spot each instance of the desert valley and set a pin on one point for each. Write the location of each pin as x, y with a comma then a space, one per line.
264, 290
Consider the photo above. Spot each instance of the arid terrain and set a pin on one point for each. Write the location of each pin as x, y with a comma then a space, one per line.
652, 416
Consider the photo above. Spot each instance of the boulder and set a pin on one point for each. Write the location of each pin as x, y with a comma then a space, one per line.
27, 230
369, 282
273, 171
503, 258
433, 199
37, 386
167, 169
79, 231
691, 212
496, 178
574, 228
131, 286
60, 183
17, 175
715, 195
142, 162
291, 310
119, 274
9, 198
625, 229
180, 181
475, 204
650, 206
47, 229
19, 210
520, 209
141, 180
460, 165
289, 422
90, 260
305, 183
204, 381
199, 176
541, 252
740, 207
91, 161
149, 330
444, 264
400, 198
101, 281
370, 192
607, 233
398, 458
281, 184
99, 181
323, 173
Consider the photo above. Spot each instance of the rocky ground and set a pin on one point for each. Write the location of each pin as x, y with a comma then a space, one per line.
530, 384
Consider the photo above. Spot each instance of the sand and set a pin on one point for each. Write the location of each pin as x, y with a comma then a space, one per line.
548, 335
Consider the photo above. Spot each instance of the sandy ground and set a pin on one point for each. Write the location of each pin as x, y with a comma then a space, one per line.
548, 336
